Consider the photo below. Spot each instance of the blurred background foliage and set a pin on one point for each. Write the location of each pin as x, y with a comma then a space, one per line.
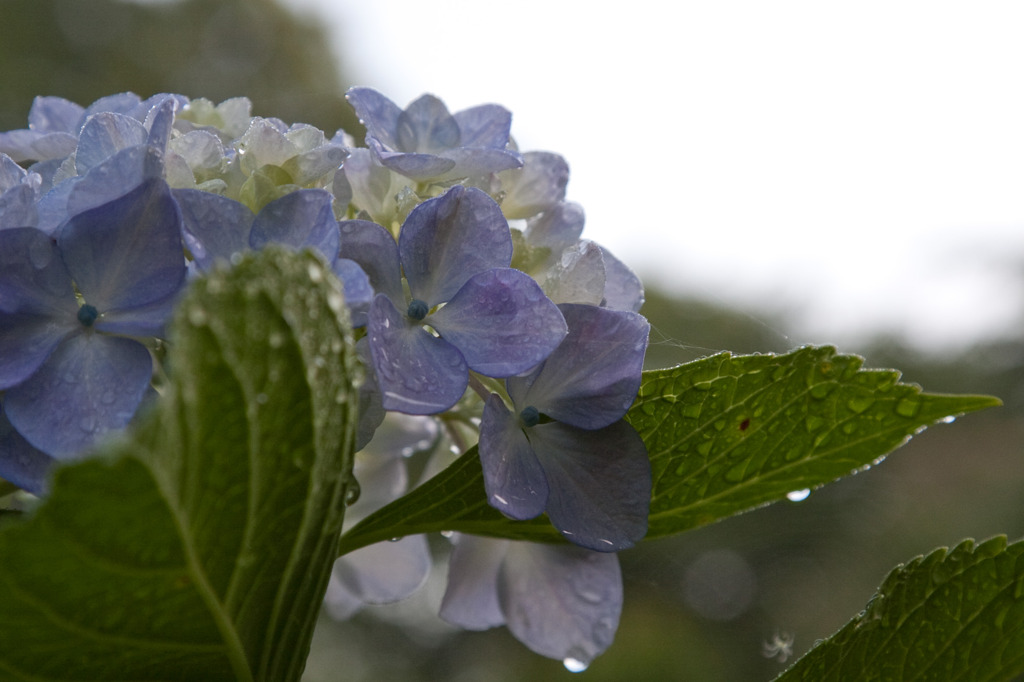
706, 605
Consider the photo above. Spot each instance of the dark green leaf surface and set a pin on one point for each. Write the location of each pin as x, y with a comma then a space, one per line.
199, 547
950, 616
725, 434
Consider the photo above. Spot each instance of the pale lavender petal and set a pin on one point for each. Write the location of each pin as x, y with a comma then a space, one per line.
577, 276
600, 483
448, 239
385, 572
90, 385
378, 113
20, 463
18, 207
538, 186
11, 174
213, 227
471, 599
375, 250
373, 186
105, 134
592, 378
501, 322
557, 228
426, 127
417, 167
562, 602
160, 121
298, 219
55, 114
340, 602
127, 252
622, 288
484, 126
513, 477
418, 373
474, 162
121, 103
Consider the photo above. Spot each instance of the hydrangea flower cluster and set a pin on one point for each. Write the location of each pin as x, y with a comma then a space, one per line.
482, 316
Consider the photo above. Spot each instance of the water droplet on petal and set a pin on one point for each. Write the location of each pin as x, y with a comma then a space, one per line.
798, 495
574, 665
447, 533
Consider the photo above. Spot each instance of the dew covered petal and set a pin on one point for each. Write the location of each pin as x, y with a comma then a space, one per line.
298, 219
486, 126
471, 599
600, 483
378, 113
103, 135
20, 463
418, 373
592, 378
375, 250
515, 482
561, 601
448, 239
622, 288
90, 385
214, 227
536, 187
426, 127
501, 321
127, 252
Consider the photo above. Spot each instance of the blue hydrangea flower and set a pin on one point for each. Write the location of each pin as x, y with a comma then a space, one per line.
72, 307
566, 450
454, 250
384, 572
426, 142
216, 228
561, 601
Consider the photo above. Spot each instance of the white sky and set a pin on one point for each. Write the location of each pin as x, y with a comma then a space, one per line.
863, 162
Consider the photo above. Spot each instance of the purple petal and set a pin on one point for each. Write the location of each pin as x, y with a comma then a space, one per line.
470, 162
600, 483
121, 103
513, 477
426, 127
33, 278
375, 250
371, 408
91, 385
561, 601
377, 113
448, 239
357, 289
113, 178
484, 126
18, 207
592, 378
299, 219
25, 343
539, 185
213, 227
149, 319
501, 322
622, 288
418, 167
55, 114
105, 134
127, 252
160, 121
418, 373
471, 599
20, 463
385, 572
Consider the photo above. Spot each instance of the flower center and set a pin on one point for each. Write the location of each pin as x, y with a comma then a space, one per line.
417, 309
87, 314
530, 416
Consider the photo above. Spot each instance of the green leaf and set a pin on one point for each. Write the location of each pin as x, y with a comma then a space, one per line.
725, 434
952, 615
199, 546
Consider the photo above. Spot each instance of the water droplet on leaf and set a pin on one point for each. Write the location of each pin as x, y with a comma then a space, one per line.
798, 495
